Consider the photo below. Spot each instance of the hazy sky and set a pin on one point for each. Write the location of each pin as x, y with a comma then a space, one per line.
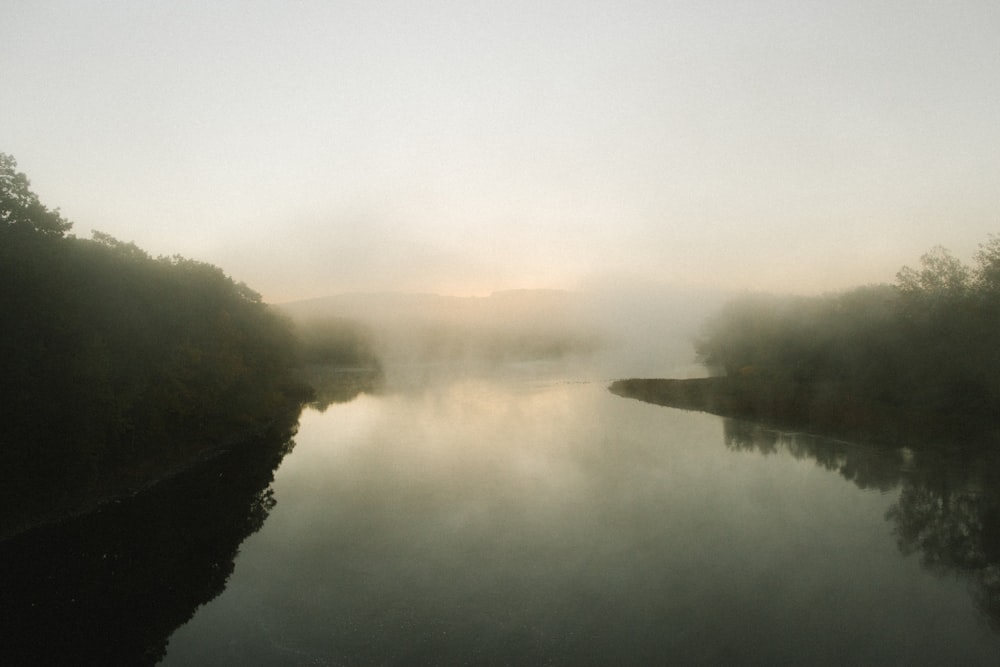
462, 147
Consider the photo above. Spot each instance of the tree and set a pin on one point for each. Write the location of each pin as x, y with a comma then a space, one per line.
20, 207
941, 274
987, 274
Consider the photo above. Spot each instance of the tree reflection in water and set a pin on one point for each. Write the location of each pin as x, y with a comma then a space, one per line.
109, 588
948, 509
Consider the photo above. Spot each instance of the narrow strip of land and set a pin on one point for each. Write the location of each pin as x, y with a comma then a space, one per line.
828, 408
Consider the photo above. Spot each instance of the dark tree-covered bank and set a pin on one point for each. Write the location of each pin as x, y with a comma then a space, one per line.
117, 367
916, 362
927, 344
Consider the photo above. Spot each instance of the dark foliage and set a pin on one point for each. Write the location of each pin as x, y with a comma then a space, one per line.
336, 341
926, 344
20, 207
110, 587
117, 367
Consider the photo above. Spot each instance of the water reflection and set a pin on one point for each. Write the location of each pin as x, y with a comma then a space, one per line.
109, 588
333, 384
868, 467
523, 520
948, 506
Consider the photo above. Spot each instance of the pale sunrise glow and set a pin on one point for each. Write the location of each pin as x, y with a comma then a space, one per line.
465, 147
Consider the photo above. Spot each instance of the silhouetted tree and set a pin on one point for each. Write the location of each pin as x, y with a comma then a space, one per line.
20, 207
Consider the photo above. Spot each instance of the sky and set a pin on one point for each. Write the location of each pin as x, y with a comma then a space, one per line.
311, 148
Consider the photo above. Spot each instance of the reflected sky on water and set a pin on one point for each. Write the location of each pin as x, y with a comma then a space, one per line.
530, 519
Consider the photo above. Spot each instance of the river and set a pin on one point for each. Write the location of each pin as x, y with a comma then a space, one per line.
524, 515
532, 517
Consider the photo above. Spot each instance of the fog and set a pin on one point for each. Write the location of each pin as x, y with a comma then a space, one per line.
475, 147
606, 332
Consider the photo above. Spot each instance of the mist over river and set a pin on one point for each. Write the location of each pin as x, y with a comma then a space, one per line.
526, 515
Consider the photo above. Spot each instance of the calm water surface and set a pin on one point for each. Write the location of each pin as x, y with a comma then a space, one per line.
538, 519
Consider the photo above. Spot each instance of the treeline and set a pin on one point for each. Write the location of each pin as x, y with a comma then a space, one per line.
338, 359
403, 329
116, 366
927, 344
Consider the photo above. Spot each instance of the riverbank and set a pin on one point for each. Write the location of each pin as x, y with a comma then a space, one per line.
827, 408
21, 514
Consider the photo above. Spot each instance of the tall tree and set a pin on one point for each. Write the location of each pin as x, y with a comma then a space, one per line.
20, 207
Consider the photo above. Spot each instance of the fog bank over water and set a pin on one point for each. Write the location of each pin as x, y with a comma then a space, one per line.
618, 332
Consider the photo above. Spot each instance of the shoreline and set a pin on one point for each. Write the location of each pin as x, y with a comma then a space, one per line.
826, 409
125, 484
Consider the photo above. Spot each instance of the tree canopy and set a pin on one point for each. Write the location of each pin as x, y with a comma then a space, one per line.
926, 343
20, 207
116, 366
